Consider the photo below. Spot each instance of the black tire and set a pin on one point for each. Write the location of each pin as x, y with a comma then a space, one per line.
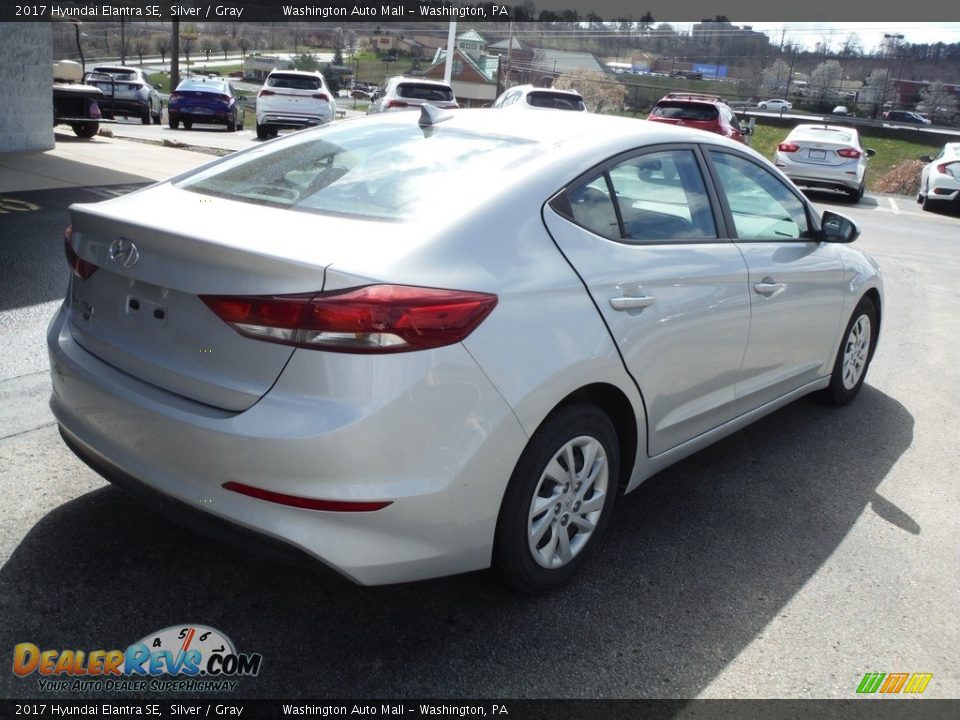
145, 118
860, 350
187, 124
854, 195
87, 129
927, 204
263, 131
173, 121
524, 563
763, 106
158, 118
232, 124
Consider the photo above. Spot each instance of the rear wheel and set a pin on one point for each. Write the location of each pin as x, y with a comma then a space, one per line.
173, 121
232, 124
145, 118
853, 357
158, 117
559, 499
87, 129
187, 124
263, 131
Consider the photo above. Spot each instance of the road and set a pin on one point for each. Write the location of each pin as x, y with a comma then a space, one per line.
785, 561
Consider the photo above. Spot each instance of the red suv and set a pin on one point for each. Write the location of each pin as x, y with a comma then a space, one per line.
704, 112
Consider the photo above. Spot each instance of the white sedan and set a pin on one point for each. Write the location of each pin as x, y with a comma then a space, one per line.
775, 105
825, 156
940, 178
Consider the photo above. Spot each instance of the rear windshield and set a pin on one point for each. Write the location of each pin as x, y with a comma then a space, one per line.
383, 173
213, 87
293, 82
118, 73
424, 91
825, 135
557, 101
685, 111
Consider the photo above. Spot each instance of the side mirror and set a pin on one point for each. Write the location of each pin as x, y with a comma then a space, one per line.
836, 228
925, 158
870, 152
745, 130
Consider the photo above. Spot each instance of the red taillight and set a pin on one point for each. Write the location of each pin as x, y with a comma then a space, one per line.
321, 96
849, 153
302, 502
175, 95
397, 104
81, 268
265, 93
943, 167
371, 319
787, 147
222, 98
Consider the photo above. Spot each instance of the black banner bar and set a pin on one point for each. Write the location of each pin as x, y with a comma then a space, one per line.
856, 709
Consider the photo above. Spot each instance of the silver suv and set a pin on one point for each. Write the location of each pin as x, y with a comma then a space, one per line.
128, 92
403, 93
293, 99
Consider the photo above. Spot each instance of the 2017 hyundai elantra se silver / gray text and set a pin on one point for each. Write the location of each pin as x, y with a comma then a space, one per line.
413, 345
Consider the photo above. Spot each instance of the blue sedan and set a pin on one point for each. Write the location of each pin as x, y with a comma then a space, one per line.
204, 100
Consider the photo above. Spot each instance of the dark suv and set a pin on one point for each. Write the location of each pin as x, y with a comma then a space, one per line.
703, 112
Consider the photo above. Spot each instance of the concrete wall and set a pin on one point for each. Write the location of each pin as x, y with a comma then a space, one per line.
26, 78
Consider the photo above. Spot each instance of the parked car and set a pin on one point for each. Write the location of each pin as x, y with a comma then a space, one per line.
825, 156
404, 93
775, 105
528, 97
404, 385
204, 100
75, 103
940, 178
293, 99
127, 92
905, 116
703, 112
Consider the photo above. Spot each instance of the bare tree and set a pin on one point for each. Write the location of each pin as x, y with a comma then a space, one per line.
140, 46
207, 45
598, 92
939, 101
226, 44
162, 45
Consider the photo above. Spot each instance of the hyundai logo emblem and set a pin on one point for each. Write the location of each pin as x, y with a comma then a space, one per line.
124, 253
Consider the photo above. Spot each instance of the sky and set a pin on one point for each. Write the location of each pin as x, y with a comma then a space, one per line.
807, 34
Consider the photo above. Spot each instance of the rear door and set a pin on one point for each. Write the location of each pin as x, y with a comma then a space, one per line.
795, 282
642, 232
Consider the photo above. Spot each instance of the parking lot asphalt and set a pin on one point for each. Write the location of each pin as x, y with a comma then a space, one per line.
785, 561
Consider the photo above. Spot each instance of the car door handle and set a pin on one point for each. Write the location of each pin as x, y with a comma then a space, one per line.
632, 303
768, 287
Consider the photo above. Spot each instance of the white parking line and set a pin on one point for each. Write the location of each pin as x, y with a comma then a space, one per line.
893, 205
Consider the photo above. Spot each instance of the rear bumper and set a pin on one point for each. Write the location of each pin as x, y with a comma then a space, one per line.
293, 120
425, 431
118, 106
839, 177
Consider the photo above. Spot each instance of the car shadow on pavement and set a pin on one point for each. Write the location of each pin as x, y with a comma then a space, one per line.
697, 563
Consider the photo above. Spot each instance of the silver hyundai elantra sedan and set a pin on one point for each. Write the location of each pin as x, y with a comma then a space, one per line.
420, 344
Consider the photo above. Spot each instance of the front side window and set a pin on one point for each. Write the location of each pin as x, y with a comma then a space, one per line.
762, 206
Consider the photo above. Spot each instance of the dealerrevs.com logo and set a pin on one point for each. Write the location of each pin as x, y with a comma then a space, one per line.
181, 658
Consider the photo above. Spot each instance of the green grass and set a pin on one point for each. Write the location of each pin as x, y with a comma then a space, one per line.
890, 153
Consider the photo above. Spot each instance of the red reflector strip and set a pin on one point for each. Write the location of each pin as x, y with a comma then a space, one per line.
302, 502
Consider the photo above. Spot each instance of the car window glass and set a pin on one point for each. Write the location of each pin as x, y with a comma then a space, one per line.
762, 206
418, 91
388, 173
593, 208
662, 196
688, 111
293, 82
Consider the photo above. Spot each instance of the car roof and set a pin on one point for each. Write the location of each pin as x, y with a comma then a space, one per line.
692, 97
819, 129
426, 81
305, 73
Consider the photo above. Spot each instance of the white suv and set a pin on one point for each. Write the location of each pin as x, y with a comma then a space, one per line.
293, 99
403, 93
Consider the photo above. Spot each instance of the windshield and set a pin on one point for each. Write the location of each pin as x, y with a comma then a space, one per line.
382, 173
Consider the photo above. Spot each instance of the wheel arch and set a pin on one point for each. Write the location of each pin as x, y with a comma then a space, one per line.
612, 401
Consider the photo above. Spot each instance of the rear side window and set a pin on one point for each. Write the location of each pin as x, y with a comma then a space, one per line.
685, 111
293, 82
423, 91
557, 101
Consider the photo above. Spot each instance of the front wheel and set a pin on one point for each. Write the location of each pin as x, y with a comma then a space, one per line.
559, 499
853, 357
